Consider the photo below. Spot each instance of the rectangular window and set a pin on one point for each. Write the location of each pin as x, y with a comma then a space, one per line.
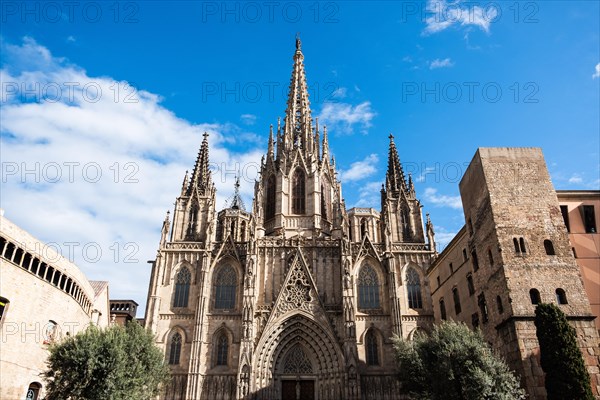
451, 268
589, 219
470, 285
456, 298
475, 260
464, 254
442, 309
564, 210
482, 307
438, 281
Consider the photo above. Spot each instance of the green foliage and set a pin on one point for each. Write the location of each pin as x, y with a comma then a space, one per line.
561, 360
116, 363
454, 363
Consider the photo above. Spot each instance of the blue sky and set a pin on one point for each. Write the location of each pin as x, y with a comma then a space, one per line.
127, 89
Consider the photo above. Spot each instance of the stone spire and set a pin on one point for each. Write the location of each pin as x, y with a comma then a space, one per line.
235, 201
317, 146
270, 150
298, 115
395, 180
185, 184
325, 143
201, 181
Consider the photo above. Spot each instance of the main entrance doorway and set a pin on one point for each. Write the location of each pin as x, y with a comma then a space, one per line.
297, 389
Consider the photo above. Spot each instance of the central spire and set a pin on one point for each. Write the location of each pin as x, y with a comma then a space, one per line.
298, 120
395, 180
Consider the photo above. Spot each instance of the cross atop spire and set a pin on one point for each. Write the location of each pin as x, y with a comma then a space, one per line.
395, 180
200, 181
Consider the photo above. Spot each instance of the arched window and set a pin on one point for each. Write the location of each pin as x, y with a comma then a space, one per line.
368, 288
442, 309
33, 391
222, 349
225, 285
413, 288
456, 298
232, 230
372, 348
549, 247
535, 297
363, 228
270, 198
182, 287
3, 307
325, 200
298, 193
561, 296
175, 349
243, 231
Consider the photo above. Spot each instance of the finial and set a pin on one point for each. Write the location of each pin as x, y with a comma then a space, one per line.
205, 135
298, 43
391, 137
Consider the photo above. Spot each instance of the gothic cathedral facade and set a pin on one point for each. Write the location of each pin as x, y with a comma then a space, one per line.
299, 297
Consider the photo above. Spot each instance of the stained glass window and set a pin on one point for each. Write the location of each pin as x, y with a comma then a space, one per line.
225, 283
182, 288
222, 349
175, 349
372, 348
368, 288
413, 287
298, 193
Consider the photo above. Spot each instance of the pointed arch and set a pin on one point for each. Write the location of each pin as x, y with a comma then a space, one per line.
222, 355
270, 198
299, 192
363, 228
225, 287
368, 288
174, 347
182, 288
413, 289
372, 347
319, 344
297, 362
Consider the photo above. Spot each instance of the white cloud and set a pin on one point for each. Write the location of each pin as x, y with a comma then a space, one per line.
443, 14
340, 93
597, 73
342, 117
71, 38
360, 170
437, 63
248, 119
431, 196
369, 195
55, 144
575, 178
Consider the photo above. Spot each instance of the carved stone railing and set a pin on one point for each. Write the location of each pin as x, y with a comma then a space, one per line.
410, 247
299, 222
183, 246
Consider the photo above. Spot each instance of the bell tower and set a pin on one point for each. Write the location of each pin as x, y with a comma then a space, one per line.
195, 207
401, 210
298, 193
